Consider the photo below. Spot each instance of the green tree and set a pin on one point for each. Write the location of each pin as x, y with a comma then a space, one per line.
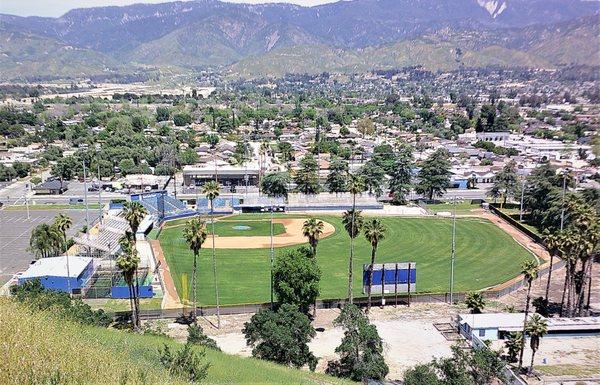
128, 262
401, 176
312, 229
211, 191
336, 179
275, 184
196, 336
361, 349
422, 375
356, 186
374, 232
162, 114
507, 181
281, 336
536, 328
185, 363
513, 346
529, 270
353, 222
182, 119
475, 302
434, 176
366, 127
194, 234
45, 241
373, 177
307, 177
296, 278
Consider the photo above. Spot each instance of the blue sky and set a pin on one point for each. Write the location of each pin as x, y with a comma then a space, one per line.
59, 7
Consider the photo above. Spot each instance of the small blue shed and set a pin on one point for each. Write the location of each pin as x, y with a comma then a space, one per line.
54, 274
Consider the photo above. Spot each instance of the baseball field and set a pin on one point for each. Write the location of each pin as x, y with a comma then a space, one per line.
485, 255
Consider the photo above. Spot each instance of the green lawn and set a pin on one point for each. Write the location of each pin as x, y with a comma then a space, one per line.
94, 206
233, 227
485, 256
462, 208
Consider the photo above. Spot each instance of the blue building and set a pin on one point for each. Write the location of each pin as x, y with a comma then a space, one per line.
54, 275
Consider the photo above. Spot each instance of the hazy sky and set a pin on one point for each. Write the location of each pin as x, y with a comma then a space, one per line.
59, 7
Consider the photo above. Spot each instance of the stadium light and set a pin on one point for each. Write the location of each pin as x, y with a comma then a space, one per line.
453, 254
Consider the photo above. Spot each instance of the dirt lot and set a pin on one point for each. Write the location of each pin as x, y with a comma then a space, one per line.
408, 334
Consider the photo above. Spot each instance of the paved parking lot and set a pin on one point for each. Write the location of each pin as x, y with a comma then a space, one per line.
15, 230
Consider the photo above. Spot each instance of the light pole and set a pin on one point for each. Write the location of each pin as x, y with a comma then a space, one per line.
272, 251
562, 211
87, 209
522, 198
453, 254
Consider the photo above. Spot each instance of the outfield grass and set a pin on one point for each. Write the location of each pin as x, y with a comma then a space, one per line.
250, 228
462, 208
485, 256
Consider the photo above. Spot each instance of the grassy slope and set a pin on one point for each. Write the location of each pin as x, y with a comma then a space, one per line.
35, 347
485, 256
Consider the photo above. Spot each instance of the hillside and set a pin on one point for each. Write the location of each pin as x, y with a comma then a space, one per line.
24, 54
42, 349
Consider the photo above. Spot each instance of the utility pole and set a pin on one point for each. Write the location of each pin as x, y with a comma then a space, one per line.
562, 211
87, 209
272, 253
453, 255
522, 198
99, 195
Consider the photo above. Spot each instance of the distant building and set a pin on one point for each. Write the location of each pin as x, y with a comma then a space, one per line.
51, 187
53, 273
230, 177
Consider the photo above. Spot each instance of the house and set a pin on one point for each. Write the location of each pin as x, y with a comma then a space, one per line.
51, 187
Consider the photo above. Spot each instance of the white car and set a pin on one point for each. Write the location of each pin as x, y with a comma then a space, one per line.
15, 279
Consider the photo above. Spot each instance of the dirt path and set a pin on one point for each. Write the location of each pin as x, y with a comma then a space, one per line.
171, 298
292, 236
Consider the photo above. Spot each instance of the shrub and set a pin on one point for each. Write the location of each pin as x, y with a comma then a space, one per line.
196, 336
185, 363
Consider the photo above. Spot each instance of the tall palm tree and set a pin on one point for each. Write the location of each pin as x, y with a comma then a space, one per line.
313, 229
128, 263
63, 223
529, 270
537, 327
554, 243
211, 190
194, 233
353, 222
134, 213
374, 232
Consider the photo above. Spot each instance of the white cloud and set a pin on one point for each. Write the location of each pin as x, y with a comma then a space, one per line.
55, 8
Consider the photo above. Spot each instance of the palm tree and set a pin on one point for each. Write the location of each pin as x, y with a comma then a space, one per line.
313, 229
353, 222
374, 232
134, 213
537, 327
554, 243
529, 269
513, 345
128, 263
356, 185
194, 233
475, 302
45, 241
211, 190
63, 223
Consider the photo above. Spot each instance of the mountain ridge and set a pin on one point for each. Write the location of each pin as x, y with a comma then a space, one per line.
211, 33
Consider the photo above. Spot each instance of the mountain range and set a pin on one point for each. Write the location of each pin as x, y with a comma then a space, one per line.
271, 39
